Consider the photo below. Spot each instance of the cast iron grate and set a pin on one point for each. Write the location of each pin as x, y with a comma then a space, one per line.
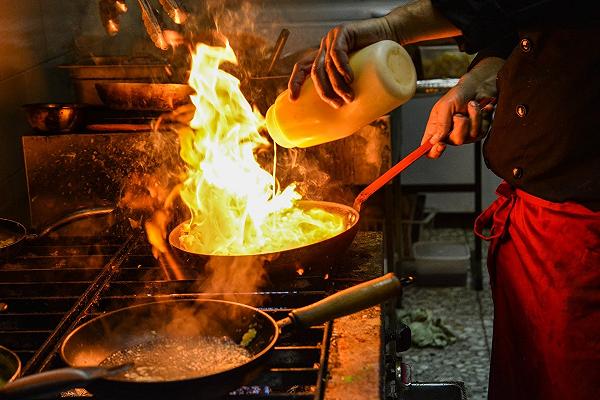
56, 284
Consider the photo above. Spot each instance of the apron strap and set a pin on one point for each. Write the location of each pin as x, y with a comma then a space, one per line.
496, 216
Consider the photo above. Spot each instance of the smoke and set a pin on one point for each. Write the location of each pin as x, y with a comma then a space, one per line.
150, 195
235, 278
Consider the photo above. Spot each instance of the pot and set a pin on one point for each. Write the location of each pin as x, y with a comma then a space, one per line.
318, 253
90, 344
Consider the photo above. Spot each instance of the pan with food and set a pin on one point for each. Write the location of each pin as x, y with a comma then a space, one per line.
318, 253
184, 348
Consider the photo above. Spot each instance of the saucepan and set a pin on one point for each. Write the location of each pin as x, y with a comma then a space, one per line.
128, 330
318, 253
13, 234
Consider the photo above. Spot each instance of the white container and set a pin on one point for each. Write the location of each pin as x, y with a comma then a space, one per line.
441, 258
384, 78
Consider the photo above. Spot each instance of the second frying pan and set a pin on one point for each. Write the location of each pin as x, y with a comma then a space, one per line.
13, 234
93, 342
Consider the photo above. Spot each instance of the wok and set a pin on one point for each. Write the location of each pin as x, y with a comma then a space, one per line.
318, 253
13, 234
91, 343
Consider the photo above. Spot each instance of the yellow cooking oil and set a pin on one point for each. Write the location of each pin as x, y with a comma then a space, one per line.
384, 78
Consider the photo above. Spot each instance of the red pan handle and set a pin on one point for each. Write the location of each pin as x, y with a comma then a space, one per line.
402, 165
390, 174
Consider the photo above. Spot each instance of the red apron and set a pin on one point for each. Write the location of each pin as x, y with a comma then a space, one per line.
544, 266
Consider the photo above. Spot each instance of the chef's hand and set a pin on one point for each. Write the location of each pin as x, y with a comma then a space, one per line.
463, 114
329, 68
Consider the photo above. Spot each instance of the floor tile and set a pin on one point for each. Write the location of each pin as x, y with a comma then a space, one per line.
469, 314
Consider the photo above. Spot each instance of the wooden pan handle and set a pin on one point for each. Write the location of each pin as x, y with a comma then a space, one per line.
348, 301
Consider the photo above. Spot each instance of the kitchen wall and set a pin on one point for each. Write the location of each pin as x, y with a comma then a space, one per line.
309, 20
36, 36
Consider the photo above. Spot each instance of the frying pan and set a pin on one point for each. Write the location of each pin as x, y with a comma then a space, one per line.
13, 234
10, 366
318, 253
91, 343
143, 96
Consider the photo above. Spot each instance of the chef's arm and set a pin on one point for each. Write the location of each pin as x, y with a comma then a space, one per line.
413, 22
462, 115
458, 117
480, 23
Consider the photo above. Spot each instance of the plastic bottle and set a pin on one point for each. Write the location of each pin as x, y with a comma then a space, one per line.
384, 78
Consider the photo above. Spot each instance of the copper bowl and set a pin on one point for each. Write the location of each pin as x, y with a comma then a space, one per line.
54, 117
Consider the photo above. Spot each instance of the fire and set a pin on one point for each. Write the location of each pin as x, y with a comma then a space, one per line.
236, 206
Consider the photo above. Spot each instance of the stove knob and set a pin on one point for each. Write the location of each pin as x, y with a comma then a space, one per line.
402, 336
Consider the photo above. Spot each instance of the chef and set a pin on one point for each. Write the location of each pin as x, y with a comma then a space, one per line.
541, 60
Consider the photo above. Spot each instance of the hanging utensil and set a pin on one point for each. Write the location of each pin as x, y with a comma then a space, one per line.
281, 40
152, 25
110, 10
174, 10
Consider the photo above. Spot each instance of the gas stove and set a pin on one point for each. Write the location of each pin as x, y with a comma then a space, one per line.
57, 283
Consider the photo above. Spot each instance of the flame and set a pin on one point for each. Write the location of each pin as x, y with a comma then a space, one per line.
237, 207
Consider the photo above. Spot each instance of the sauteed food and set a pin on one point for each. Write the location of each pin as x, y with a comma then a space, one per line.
237, 207
7, 237
289, 229
166, 359
6, 242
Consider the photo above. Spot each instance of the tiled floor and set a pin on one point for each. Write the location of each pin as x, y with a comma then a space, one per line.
469, 314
